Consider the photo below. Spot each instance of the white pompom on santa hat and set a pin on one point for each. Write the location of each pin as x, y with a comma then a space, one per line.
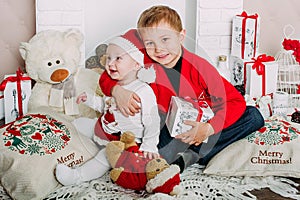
165, 182
132, 45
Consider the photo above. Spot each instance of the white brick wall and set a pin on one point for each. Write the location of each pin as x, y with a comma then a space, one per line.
213, 31
61, 15
213, 24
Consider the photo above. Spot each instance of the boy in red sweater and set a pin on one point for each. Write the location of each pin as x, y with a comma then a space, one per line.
184, 74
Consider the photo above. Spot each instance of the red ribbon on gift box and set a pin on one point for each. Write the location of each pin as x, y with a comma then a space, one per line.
260, 69
18, 78
245, 17
198, 104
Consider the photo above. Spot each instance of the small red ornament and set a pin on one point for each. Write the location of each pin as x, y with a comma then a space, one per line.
294, 45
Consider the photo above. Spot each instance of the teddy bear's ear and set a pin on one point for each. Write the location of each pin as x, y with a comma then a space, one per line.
74, 35
23, 49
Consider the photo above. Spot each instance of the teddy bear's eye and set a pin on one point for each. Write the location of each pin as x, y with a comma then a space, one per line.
157, 170
57, 61
49, 64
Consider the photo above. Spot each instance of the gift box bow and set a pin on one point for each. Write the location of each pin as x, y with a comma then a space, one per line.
259, 66
258, 63
245, 15
198, 104
18, 78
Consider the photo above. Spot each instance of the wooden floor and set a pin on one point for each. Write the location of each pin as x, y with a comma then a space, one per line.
264, 194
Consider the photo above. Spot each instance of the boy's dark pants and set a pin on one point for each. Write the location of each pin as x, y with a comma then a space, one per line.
249, 122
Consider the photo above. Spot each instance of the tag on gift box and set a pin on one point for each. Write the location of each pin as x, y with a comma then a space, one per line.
16, 93
1, 105
181, 110
245, 36
260, 76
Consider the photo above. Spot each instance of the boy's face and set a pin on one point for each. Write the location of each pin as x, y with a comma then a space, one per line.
120, 65
163, 43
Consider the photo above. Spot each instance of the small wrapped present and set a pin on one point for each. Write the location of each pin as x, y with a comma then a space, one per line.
245, 36
1, 105
264, 104
260, 76
185, 109
16, 91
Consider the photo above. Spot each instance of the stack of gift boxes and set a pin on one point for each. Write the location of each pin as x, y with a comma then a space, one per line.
15, 91
255, 73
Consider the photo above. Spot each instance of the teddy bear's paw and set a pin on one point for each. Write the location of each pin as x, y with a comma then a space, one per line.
129, 139
115, 173
114, 150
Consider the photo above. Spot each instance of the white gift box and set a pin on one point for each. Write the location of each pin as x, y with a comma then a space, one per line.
1, 105
256, 84
264, 104
245, 36
16, 90
181, 110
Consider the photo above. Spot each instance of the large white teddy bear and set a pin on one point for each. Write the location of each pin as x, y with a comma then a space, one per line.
52, 59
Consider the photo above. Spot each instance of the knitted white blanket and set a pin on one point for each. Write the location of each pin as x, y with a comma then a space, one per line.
195, 185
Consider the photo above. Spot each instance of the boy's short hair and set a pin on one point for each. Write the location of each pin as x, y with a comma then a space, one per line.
152, 16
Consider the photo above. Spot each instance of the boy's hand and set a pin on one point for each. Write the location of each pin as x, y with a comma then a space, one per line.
199, 132
126, 101
81, 98
150, 155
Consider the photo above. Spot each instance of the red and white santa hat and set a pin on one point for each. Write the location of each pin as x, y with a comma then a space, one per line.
165, 182
132, 45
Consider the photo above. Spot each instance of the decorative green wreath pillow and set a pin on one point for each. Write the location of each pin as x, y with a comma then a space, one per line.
272, 150
31, 147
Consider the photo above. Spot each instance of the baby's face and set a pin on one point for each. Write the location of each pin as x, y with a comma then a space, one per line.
120, 65
163, 43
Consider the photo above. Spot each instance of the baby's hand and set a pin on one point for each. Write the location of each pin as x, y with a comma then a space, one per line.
151, 155
81, 98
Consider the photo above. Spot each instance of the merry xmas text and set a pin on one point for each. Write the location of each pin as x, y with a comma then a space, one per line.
270, 157
70, 159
